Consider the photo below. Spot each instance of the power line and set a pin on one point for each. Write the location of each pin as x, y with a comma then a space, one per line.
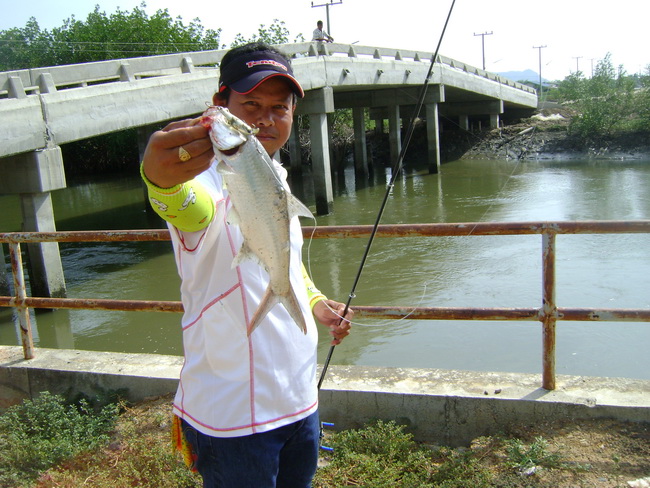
483, 44
539, 48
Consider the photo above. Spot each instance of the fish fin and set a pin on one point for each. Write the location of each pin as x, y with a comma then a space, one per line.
269, 300
290, 302
296, 207
245, 254
224, 168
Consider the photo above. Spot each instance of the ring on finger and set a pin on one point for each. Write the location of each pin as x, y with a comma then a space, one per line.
183, 155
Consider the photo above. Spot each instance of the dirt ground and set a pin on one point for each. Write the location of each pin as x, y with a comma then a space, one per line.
596, 454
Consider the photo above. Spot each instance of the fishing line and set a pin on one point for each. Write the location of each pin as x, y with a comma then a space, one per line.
391, 184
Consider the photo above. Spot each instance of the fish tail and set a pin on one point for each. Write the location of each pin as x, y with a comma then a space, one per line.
269, 300
290, 302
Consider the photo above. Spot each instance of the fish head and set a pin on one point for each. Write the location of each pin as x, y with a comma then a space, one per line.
227, 132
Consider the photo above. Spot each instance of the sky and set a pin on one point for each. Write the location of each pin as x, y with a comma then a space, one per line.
575, 34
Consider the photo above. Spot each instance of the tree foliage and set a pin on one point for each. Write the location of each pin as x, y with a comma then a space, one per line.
103, 36
276, 33
606, 102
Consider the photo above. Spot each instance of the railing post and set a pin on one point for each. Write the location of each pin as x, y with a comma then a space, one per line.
21, 294
549, 310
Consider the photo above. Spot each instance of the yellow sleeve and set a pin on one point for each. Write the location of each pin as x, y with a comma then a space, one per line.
188, 206
313, 293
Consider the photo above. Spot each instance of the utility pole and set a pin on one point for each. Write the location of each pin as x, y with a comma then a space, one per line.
539, 48
577, 65
483, 44
327, 8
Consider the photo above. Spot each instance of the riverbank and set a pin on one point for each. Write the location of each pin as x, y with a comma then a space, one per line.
546, 136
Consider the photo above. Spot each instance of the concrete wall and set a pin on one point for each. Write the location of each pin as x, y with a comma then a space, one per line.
447, 407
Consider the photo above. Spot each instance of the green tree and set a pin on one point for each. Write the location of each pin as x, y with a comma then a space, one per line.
276, 33
642, 99
122, 34
603, 102
24, 47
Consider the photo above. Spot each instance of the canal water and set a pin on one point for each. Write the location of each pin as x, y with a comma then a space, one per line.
597, 271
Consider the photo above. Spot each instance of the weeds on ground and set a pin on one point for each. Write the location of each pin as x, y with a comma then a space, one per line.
89, 449
139, 454
382, 455
40, 433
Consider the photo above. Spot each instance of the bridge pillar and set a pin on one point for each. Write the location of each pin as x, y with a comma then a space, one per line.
5, 288
394, 133
320, 158
34, 175
317, 104
360, 151
494, 121
433, 138
463, 122
294, 146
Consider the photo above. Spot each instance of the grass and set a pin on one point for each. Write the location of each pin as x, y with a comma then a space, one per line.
48, 443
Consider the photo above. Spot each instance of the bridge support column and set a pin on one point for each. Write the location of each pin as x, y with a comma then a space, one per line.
494, 121
433, 138
5, 288
46, 271
294, 146
360, 150
33, 175
463, 122
394, 133
320, 157
317, 104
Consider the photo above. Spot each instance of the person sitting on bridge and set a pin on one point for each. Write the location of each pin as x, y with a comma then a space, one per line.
320, 35
246, 408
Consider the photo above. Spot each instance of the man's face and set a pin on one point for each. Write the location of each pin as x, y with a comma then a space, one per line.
269, 108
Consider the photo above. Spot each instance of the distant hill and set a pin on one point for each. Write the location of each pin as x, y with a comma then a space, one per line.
527, 75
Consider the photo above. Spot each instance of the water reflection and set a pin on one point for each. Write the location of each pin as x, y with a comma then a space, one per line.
480, 271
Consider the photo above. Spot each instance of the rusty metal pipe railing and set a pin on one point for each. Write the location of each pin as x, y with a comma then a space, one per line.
548, 314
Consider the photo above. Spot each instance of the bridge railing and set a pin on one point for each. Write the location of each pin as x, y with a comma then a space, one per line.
21, 83
548, 313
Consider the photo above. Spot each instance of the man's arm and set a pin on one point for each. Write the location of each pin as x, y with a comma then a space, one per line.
173, 192
188, 206
328, 312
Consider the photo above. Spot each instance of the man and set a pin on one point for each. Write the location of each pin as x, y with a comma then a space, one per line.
320, 35
247, 404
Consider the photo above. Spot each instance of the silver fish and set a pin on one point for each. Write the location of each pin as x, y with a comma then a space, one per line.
261, 207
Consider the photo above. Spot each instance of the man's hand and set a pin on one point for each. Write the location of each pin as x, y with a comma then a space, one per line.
330, 313
161, 162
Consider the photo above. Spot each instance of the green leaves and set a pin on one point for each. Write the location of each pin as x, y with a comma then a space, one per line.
101, 36
604, 103
39, 433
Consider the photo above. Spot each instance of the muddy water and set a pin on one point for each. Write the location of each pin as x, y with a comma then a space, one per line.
499, 271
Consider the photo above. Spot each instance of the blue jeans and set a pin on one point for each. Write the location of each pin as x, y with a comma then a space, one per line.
285, 457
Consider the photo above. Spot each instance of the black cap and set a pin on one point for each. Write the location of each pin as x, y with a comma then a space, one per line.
245, 73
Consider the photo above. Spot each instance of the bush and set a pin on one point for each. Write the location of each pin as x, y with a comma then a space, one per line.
382, 456
40, 433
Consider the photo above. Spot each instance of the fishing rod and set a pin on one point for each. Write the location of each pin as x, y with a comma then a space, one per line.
391, 184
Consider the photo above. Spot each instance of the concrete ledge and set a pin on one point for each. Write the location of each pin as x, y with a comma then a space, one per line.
447, 407
454, 407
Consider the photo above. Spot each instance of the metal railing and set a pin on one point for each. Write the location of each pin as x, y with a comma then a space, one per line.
548, 313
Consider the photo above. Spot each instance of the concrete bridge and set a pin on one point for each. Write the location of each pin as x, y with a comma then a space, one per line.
42, 108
